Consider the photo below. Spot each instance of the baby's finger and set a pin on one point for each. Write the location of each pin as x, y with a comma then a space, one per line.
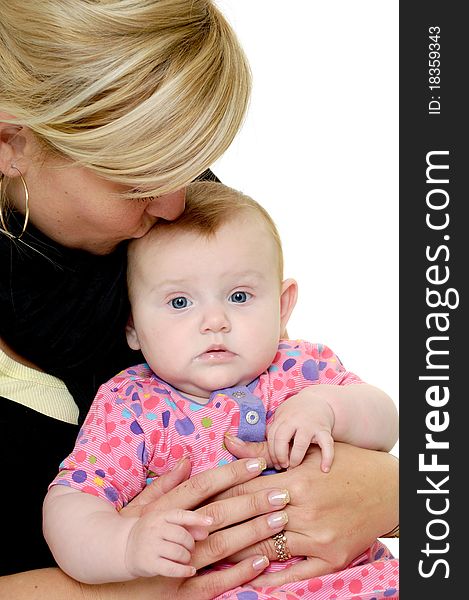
300, 446
282, 440
282, 434
178, 516
176, 534
174, 552
271, 445
198, 533
325, 441
168, 568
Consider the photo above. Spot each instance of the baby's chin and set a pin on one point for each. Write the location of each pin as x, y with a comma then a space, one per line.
201, 393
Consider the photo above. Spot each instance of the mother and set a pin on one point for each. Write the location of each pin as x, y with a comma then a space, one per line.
108, 109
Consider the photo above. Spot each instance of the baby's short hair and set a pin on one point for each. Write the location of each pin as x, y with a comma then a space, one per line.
210, 205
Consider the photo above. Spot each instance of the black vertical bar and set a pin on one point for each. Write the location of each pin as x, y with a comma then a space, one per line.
434, 266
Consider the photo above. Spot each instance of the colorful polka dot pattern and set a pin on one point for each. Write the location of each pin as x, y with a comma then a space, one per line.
370, 578
139, 424
138, 427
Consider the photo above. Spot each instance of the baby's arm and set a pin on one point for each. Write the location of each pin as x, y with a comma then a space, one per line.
364, 415
93, 543
359, 414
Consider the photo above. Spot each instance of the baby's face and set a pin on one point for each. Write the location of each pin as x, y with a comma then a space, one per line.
206, 311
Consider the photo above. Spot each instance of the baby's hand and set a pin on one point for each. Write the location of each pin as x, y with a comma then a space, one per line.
305, 420
161, 543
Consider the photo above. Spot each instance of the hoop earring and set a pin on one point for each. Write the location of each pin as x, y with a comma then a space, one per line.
26, 207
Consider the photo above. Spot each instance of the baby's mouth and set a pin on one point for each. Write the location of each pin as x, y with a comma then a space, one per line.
216, 353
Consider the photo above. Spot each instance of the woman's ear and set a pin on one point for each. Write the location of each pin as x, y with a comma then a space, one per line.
131, 335
12, 144
288, 298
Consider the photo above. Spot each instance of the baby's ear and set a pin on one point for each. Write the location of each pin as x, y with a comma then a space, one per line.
288, 297
131, 334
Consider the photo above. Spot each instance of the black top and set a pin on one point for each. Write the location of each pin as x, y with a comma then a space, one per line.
31, 449
65, 310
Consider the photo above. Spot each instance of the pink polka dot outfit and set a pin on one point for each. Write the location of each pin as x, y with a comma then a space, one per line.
139, 426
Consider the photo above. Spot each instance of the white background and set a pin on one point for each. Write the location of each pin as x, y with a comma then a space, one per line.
319, 149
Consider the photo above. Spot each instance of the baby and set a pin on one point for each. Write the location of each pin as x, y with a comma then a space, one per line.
209, 309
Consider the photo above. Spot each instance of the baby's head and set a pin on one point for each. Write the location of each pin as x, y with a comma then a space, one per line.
208, 300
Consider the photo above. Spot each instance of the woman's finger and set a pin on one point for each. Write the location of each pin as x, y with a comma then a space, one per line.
193, 492
236, 510
277, 480
306, 569
221, 544
157, 489
290, 479
242, 449
206, 587
297, 543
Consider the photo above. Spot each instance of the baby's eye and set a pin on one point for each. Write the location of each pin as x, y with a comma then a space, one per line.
180, 302
240, 297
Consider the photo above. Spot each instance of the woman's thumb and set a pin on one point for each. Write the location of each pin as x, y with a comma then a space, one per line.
158, 488
242, 449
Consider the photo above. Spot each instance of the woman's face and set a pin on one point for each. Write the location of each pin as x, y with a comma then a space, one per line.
78, 209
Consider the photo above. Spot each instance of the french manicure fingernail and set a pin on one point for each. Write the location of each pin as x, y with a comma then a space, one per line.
278, 519
180, 462
259, 564
279, 497
234, 440
256, 465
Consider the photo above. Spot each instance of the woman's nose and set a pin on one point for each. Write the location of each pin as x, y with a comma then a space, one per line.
168, 206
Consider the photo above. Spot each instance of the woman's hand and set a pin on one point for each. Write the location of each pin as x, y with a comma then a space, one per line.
262, 508
176, 490
333, 517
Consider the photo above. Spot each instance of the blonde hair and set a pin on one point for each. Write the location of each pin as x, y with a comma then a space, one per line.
147, 93
209, 206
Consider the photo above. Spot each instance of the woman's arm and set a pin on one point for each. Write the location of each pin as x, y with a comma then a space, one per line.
334, 516
54, 584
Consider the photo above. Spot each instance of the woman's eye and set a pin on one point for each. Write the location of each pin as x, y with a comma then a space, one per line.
180, 302
240, 297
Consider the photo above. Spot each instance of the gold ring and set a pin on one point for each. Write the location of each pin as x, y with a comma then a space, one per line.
281, 548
